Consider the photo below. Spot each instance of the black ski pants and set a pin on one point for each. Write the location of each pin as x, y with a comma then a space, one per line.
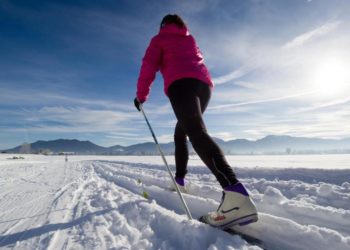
189, 98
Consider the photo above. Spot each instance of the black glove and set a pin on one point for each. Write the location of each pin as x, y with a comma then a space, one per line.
138, 104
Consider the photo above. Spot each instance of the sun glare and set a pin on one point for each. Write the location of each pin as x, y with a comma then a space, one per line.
331, 78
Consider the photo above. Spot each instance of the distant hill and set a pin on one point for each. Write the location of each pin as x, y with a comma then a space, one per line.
287, 144
60, 145
271, 144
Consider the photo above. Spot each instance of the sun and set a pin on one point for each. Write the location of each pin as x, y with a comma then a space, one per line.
331, 77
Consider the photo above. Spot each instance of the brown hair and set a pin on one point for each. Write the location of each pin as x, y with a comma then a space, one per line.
173, 18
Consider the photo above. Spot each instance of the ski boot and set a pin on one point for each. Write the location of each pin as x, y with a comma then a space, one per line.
180, 182
236, 208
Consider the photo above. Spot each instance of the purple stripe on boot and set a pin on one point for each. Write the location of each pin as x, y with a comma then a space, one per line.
180, 181
238, 188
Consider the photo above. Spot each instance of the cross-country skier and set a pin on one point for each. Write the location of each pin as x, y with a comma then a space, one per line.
188, 85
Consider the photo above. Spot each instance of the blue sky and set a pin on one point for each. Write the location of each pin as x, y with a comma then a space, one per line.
68, 69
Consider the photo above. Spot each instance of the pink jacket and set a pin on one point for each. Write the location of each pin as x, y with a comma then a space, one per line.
174, 52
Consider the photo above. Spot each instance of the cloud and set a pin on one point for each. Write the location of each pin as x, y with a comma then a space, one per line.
260, 101
32, 97
45, 111
226, 136
311, 35
324, 124
231, 76
335, 104
73, 119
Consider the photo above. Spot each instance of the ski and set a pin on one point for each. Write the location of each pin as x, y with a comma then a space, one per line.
248, 238
172, 189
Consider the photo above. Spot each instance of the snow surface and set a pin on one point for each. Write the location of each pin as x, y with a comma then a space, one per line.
96, 202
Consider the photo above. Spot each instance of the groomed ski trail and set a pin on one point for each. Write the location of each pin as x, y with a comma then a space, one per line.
99, 205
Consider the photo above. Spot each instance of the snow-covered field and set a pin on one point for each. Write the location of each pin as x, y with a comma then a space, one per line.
96, 202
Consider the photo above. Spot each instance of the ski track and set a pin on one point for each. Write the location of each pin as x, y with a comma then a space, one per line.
99, 204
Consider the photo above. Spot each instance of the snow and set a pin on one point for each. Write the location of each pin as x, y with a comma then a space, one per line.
97, 202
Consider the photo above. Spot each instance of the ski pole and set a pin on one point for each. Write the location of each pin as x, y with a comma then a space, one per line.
167, 166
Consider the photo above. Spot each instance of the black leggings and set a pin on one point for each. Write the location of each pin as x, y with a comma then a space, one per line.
189, 99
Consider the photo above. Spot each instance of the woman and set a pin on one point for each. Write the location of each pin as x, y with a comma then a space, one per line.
188, 85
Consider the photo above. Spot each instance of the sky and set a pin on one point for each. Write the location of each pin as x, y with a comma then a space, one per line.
68, 69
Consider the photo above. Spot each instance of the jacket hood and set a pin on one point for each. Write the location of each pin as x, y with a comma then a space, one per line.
174, 29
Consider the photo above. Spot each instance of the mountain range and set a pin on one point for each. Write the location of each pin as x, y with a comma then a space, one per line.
271, 144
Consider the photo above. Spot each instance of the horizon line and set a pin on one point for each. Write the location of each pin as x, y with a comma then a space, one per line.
252, 140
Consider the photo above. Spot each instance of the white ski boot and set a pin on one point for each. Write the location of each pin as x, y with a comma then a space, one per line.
236, 208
